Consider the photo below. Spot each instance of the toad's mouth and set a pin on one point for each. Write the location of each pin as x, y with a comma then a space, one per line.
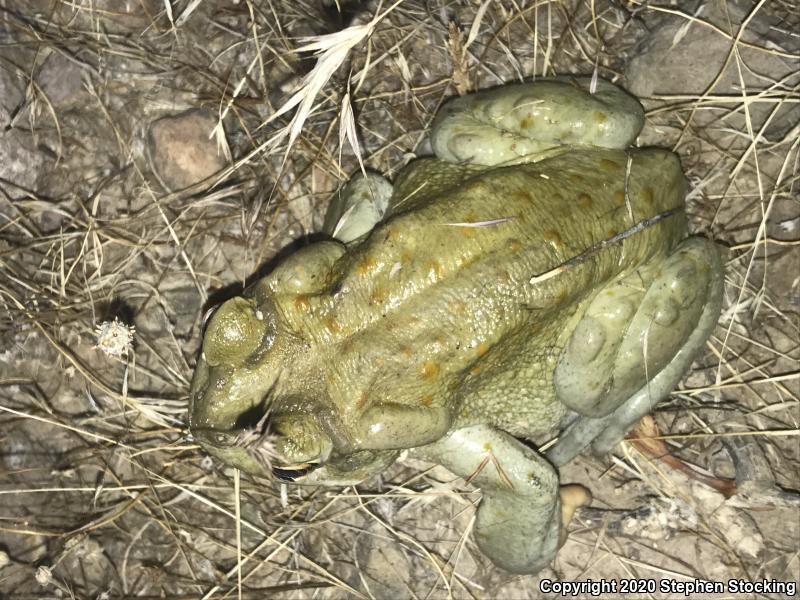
260, 446
293, 473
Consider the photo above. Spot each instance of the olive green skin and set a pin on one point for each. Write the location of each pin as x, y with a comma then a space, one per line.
429, 312
441, 326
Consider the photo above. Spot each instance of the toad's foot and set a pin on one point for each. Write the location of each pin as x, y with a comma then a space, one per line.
518, 523
633, 345
519, 122
512, 123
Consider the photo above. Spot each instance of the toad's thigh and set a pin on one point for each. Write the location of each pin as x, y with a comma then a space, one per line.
635, 341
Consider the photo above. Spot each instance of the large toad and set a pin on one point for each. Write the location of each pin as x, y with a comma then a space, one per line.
533, 279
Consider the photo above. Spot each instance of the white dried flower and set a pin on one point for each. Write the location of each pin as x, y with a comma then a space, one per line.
44, 575
386, 508
114, 338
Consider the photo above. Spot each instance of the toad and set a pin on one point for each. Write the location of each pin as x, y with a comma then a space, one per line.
533, 279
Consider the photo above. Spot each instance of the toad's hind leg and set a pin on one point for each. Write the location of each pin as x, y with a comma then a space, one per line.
518, 522
635, 341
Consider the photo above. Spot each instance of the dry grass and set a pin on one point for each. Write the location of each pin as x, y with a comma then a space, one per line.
104, 496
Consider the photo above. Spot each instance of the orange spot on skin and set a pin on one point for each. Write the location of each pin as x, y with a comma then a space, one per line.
648, 195
331, 325
406, 257
430, 370
365, 265
467, 231
611, 233
477, 187
515, 245
483, 348
476, 370
526, 122
362, 400
468, 260
301, 302
610, 165
434, 269
552, 237
457, 307
407, 351
619, 197
585, 201
378, 296
426, 400
521, 196
600, 117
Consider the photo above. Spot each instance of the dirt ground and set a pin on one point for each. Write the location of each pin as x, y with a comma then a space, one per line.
155, 154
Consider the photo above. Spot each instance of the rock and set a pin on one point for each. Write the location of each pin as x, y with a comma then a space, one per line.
62, 81
20, 163
685, 57
181, 152
739, 530
109, 16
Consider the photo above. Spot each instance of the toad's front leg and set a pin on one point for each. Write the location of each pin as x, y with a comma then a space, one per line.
520, 519
392, 426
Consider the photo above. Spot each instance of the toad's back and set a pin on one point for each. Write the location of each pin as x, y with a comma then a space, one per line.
437, 303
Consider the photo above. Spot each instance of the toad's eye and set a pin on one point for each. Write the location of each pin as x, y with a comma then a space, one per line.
207, 317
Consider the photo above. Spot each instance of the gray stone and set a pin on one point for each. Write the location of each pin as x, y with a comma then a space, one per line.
181, 152
684, 57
